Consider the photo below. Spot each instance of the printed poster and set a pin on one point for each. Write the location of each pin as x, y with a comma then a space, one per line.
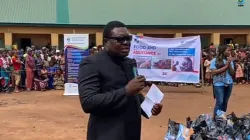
167, 59
75, 48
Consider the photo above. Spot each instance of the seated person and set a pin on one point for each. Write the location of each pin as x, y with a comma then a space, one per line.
44, 71
58, 80
51, 73
40, 82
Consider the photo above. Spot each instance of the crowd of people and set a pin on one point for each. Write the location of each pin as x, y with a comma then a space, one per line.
31, 69
42, 69
241, 61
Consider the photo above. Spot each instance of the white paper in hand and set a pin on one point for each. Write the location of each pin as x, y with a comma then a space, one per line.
147, 106
153, 96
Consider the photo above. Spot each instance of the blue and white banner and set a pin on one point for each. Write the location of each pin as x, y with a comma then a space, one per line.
75, 48
167, 59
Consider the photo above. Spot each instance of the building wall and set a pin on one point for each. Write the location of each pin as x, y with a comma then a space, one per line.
42, 35
205, 39
71, 30
38, 40
1, 40
47, 30
237, 38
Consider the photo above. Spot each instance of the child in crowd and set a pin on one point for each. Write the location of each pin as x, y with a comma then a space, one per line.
208, 76
239, 72
51, 73
5, 70
59, 80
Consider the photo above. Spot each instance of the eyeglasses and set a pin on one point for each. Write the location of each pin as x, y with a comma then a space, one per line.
122, 39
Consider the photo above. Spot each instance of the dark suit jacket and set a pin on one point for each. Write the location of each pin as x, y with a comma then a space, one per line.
113, 114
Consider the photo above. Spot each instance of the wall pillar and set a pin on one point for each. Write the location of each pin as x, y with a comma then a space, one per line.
248, 39
98, 39
139, 34
178, 35
55, 40
8, 40
215, 38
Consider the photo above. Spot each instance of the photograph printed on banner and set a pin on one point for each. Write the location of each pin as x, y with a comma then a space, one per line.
143, 62
161, 63
183, 64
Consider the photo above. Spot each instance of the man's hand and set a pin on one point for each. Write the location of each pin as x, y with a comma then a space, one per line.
156, 109
135, 85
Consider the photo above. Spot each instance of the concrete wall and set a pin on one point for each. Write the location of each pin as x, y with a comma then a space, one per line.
48, 30
1, 40
205, 39
42, 35
237, 38
160, 35
38, 40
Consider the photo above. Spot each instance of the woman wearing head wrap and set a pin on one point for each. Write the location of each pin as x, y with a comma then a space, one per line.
5, 70
30, 68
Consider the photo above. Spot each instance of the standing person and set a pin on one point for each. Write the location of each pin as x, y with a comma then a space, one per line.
93, 51
51, 72
109, 91
208, 71
38, 63
23, 73
12, 77
46, 61
44, 51
5, 70
17, 64
212, 46
222, 69
62, 62
30, 68
239, 72
99, 48
58, 55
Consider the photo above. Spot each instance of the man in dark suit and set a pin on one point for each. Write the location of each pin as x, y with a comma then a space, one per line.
109, 91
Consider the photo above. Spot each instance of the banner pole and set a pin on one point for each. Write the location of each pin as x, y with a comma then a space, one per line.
202, 76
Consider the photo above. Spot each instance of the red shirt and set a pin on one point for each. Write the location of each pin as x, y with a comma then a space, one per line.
16, 66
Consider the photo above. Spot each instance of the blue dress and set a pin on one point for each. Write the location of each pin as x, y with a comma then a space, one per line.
5, 72
51, 70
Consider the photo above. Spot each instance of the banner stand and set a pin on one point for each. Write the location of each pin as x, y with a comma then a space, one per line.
202, 77
75, 49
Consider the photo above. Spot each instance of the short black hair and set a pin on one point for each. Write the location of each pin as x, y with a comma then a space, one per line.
107, 31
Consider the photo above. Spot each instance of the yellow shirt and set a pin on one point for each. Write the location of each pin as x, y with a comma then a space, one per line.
232, 45
14, 47
25, 55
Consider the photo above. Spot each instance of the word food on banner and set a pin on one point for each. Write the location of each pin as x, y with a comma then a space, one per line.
75, 48
167, 59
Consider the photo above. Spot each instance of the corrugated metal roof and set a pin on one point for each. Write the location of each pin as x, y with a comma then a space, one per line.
28, 11
159, 12
131, 12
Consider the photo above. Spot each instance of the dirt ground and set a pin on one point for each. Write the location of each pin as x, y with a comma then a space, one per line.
51, 116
